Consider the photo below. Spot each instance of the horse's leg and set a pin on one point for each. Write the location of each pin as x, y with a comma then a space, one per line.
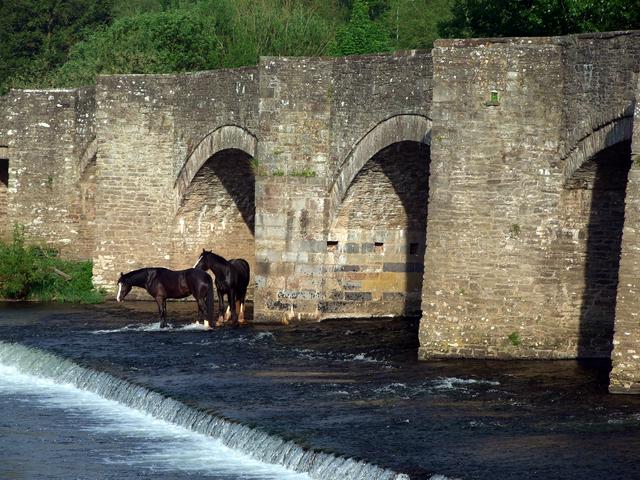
162, 309
232, 304
220, 320
208, 307
240, 302
201, 314
240, 312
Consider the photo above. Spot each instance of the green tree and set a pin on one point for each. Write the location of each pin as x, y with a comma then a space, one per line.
36, 35
414, 23
163, 42
251, 28
361, 34
487, 18
199, 36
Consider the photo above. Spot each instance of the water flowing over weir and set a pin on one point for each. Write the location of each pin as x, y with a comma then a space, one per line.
252, 441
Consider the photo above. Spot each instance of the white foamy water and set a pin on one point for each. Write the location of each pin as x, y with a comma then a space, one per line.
250, 444
167, 447
154, 327
453, 383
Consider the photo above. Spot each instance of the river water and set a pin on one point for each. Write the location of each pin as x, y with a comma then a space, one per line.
337, 399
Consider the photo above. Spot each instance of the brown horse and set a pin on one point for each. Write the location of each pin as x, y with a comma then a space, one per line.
232, 280
162, 283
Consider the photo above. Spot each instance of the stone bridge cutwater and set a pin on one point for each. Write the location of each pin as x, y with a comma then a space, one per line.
487, 185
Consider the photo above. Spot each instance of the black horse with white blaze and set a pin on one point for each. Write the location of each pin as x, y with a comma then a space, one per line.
232, 280
162, 283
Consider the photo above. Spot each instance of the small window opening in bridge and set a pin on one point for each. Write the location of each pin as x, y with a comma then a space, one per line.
413, 248
332, 246
4, 172
378, 247
494, 100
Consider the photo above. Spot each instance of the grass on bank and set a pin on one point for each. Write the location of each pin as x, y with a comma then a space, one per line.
33, 272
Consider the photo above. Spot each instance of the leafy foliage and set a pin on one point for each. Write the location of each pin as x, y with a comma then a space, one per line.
361, 34
208, 35
63, 43
36, 35
29, 272
414, 23
489, 18
164, 42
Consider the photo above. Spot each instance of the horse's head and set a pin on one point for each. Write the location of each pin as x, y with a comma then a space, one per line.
202, 262
123, 288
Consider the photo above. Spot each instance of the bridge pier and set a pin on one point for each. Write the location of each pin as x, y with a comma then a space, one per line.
625, 358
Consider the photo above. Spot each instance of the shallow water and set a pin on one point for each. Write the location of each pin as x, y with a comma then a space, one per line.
352, 387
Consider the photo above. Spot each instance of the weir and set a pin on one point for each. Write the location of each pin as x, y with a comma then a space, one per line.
251, 441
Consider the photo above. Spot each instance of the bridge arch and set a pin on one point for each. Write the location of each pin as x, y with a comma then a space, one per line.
592, 206
405, 127
225, 137
618, 130
376, 236
215, 199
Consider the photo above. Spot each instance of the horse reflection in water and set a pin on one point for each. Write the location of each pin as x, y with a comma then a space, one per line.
162, 283
232, 280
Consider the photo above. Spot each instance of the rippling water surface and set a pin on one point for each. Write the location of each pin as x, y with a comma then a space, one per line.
349, 387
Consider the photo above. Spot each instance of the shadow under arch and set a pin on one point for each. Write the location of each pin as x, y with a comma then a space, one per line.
617, 130
378, 222
599, 163
605, 174
226, 137
399, 128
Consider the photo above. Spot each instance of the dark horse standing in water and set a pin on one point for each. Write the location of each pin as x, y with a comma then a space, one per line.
232, 279
162, 283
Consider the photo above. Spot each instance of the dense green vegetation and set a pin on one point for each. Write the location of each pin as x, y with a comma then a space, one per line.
480, 18
49, 43
37, 273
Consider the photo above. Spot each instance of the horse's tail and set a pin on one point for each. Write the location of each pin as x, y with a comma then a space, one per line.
243, 266
209, 302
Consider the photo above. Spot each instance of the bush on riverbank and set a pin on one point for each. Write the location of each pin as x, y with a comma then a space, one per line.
32, 272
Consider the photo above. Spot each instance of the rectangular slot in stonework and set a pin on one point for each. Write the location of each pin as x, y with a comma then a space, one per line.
4, 172
332, 245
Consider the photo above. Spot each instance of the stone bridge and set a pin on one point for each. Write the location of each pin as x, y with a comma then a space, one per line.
487, 185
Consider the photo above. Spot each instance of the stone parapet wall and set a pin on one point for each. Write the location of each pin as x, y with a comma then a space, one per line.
44, 131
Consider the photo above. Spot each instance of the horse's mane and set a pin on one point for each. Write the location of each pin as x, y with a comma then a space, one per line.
135, 274
216, 257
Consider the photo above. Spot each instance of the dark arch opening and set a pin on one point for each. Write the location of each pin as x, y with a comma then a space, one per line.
606, 175
231, 170
377, 242
217, 211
